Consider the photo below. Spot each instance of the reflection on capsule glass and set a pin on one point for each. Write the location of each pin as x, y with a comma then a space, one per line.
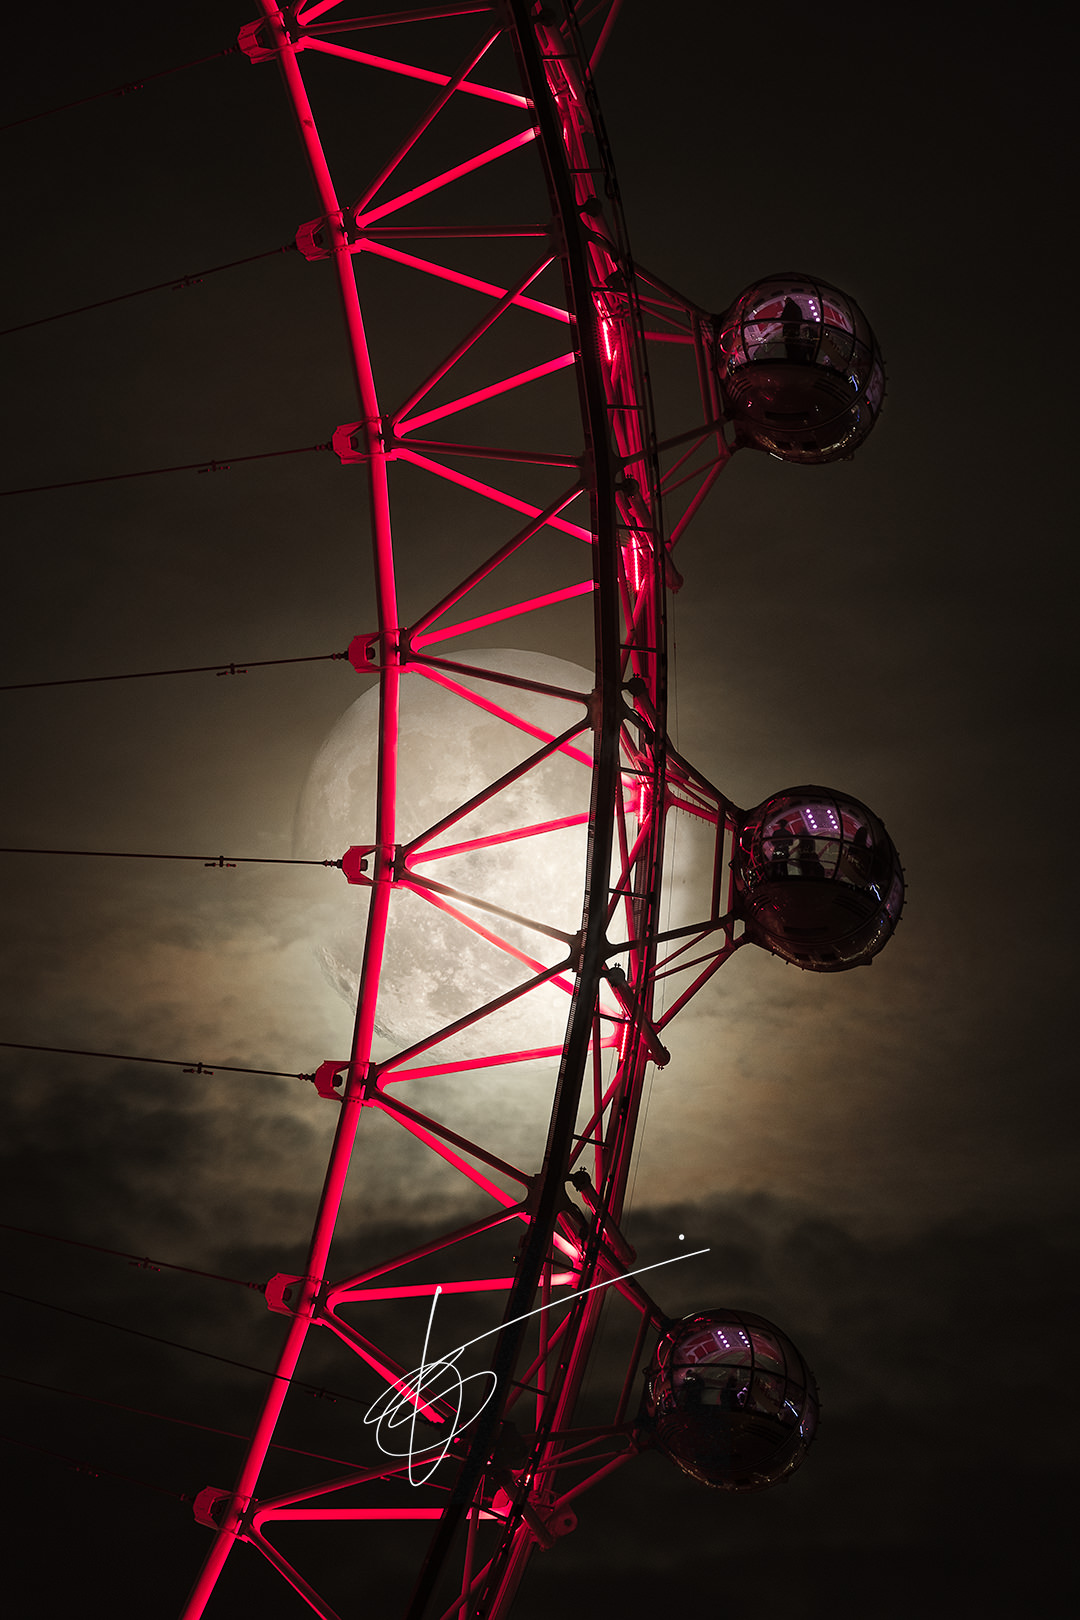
818, 880
730, 1400
799, 369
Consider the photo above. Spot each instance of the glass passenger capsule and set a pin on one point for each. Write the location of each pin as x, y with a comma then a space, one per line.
799, 369
730, 1400
818, 879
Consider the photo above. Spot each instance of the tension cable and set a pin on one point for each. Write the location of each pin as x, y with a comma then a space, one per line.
177, 284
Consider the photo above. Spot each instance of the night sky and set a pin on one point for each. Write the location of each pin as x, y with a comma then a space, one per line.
882, 1162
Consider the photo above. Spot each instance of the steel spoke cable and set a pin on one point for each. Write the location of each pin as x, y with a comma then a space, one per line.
177, 284
152, 472
174, 1344
186, 1064
141, 1260
121, 89
346, 25
164, 1417
81, 1467
220, 861
232, 668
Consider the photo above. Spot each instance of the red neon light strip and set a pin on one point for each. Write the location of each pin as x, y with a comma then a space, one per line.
406, 70
446, 178
531, 606
502, 714
510, 837
444, 273
490, 493
518, 380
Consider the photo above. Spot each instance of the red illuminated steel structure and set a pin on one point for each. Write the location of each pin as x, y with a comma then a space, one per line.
496, 188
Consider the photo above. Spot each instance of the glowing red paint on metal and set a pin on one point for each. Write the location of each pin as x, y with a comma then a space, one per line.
485, 933
613, 1087
476, 1017
536, 830
356, 1514
696, 810
400, 1109
499, 496
493, 788
591, 1479
483, 1285
702, 978
349, 1116
291, 1576
443, 273
473, 337
506, 385
407, 71
495, 561
448, 176
449, 1155
533, 604
309, 13
394, 1375
503, 714
446, 1240
666, 972
466, 1065
625, 884
501, 677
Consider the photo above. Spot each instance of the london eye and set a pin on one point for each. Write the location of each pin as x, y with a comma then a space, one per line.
509, 912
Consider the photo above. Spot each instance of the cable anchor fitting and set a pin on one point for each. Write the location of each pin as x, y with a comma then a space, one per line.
261, 42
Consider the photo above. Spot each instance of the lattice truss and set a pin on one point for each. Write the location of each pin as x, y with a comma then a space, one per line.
501, 342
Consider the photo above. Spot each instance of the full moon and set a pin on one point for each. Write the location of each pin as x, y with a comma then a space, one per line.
436, 968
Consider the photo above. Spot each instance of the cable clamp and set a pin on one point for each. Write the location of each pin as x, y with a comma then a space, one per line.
209, 1506
259, 40
329, 1076
282, 1293
354, 864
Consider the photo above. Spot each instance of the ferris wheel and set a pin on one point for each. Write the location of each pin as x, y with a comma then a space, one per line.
505, 817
